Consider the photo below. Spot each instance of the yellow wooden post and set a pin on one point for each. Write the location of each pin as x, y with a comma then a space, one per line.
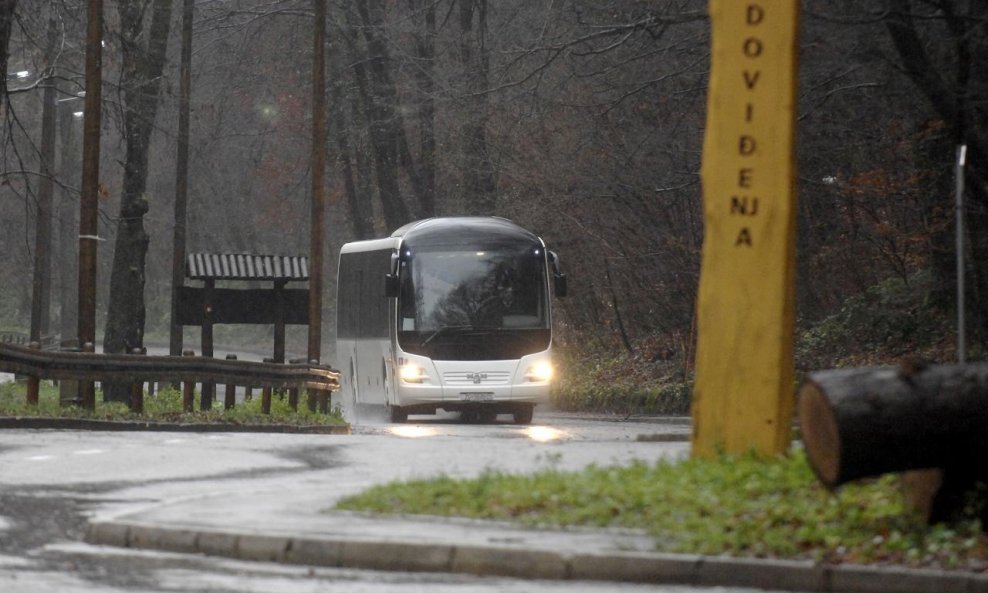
744, 394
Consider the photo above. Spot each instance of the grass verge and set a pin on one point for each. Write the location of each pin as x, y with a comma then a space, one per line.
740, 506
164, 406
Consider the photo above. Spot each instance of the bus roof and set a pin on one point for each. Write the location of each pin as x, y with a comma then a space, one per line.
371, 245
463, 229
449, 231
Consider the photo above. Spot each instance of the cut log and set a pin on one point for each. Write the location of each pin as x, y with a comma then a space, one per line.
869, 421
920, 488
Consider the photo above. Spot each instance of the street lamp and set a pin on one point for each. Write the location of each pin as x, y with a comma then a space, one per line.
79, 95
17, 75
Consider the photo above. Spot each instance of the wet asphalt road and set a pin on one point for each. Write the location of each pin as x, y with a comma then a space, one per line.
52, 481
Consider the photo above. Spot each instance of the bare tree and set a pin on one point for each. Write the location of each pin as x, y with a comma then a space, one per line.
424, 67
478, 170
377, 90
143, 41
581, 119
351, 163
945, 58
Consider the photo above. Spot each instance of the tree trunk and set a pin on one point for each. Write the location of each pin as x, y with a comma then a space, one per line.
869, 421
952, 91
939, 221
357, 195
7, 9
142, 68
385, 156
618, 320
425, 54
380, 98
364, 177
478, 169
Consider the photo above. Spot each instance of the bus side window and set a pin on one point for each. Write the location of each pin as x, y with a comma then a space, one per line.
406, 302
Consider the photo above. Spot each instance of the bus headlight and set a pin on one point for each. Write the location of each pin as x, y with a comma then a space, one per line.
540, 372
412, 373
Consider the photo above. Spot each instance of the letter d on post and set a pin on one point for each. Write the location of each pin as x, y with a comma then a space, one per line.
756, 14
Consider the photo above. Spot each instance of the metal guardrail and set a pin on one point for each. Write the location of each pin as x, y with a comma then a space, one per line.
14, 338
139, 368
48, 342
83, 366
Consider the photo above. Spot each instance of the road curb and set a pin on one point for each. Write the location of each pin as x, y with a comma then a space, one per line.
14, 422
522, 562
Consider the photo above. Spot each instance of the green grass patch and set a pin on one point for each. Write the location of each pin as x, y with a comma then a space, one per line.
742, 506
164, 406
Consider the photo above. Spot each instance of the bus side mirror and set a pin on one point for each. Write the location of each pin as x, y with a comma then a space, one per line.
391, 286
558, 277
560, 282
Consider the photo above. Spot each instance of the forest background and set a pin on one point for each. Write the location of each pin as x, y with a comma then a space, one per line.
579, 119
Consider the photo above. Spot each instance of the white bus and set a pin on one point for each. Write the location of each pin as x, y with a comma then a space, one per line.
450, 314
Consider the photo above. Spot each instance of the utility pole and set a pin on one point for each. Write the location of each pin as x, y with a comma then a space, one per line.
181, 178
89, 207
41, 282
961, 313
68, 226
318, 213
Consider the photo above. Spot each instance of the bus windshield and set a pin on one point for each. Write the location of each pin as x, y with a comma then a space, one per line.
474, 304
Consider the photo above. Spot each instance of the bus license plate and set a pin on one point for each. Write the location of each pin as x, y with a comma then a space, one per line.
478, 396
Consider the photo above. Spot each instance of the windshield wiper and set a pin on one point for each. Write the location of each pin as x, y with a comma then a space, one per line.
458, 329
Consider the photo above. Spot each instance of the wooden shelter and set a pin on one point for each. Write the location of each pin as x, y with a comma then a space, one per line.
208, 305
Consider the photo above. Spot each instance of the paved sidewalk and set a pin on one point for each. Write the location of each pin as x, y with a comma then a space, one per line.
290, 527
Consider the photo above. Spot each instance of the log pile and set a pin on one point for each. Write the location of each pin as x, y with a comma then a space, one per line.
928, 421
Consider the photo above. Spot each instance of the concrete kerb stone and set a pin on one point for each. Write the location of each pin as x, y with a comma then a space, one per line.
107, 533
511, 562
496, 560
636, 567
263, 548
878, 579
155, 538
786, 575
217, 543
978, 585
315, 552
383, 555
664, 437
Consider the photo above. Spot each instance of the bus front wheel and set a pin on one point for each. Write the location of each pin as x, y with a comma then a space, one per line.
397, 414
523, 414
